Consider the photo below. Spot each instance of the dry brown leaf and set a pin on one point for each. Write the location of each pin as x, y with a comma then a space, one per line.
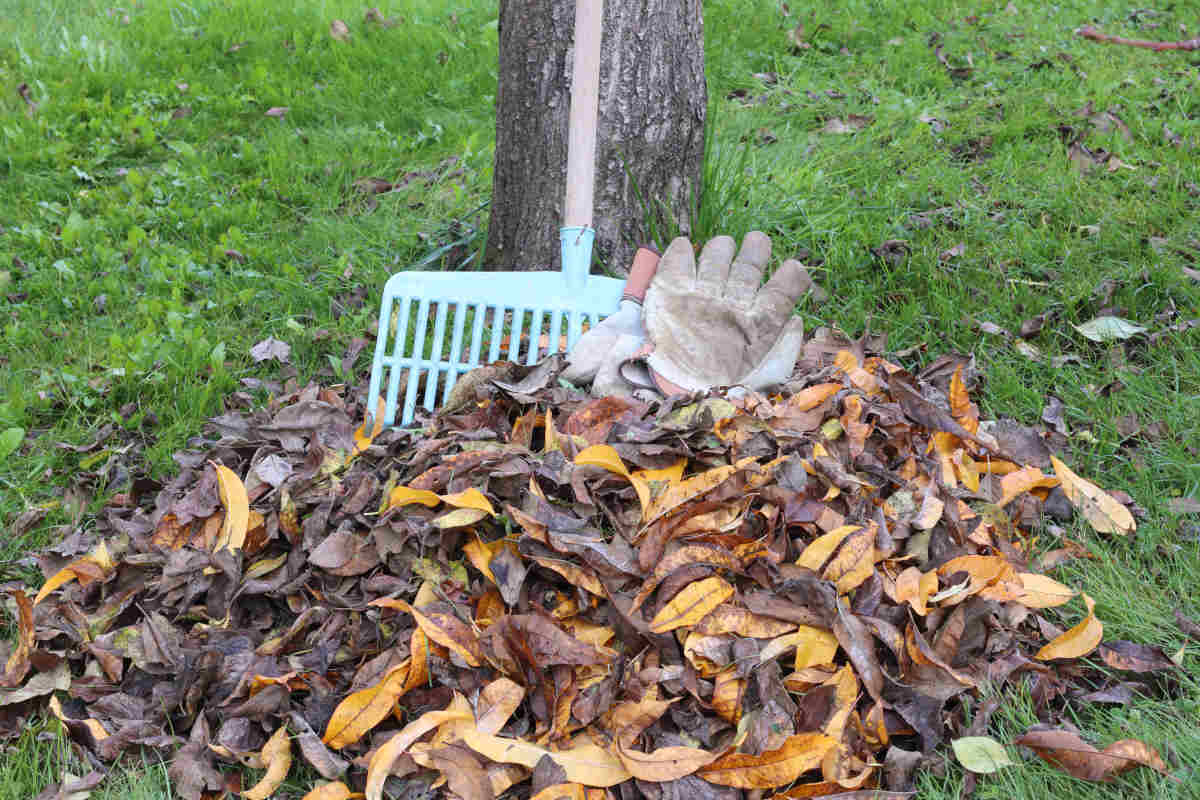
17, 665
1079, 640
1066, 750
779, 767
497, 702
277, 755
1099, 508
692, 603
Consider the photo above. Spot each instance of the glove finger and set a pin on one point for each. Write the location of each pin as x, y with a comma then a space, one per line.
745, 276
715, 260
677, 267
781, 293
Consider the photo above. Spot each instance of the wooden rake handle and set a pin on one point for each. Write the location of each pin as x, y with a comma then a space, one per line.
585, 102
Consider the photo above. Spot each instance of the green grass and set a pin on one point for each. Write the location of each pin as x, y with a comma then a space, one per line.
151, 156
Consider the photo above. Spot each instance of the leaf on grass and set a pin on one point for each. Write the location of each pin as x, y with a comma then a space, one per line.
277, 755
332, 791
779, 767
17, 665
1079, 640
692, 603
1024, 480
237, 509
1099, 508
1066, 750
583, 763
981, 754
1038, 591
1107, 329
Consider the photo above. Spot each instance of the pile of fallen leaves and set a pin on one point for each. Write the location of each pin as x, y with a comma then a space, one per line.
564, 596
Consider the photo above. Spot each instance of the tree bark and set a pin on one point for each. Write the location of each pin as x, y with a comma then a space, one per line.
653, 101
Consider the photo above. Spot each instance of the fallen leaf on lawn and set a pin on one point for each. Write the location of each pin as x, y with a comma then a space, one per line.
691, 604
278, 112
277, 755
1099, 508
583, 763
1066, 750
332, 791
1023, 480
1107, 329
1134, 657
1042, 592
339, 30
1079, 640
385, 757
94, 566
778, 767
237, 509
17, 665
271, 347
981, 754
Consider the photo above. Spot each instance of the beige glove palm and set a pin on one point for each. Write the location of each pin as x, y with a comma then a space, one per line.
716, 323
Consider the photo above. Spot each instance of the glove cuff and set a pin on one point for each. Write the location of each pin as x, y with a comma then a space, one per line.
645, 263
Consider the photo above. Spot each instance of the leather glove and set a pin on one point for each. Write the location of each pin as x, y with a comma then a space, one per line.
716, 323
598, 354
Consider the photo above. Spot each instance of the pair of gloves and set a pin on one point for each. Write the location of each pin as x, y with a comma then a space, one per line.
702, 325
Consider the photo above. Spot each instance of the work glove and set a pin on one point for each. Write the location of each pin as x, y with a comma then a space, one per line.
716, 323
598, 354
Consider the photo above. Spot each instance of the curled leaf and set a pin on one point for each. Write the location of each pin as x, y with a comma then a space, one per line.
1102, 512
1079, 640
277, 755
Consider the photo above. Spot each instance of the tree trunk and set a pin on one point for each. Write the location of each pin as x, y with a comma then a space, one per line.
653, 100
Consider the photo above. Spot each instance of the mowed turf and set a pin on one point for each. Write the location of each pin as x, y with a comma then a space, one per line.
941, 164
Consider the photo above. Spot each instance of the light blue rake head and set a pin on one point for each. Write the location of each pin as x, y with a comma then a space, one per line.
435, 326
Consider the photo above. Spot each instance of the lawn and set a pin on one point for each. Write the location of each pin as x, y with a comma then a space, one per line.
951, 170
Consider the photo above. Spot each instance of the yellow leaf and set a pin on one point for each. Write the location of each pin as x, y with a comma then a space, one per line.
809, 398
914, 587
1104, 513
602, 455
727, 618
663, 764
1042, 592
469, 498
823, 546
277, 755
561, 791
779, 767
584, 763
813, 647
332, 791
364, 709
63, 576
854, 562
691, 604
363, 437
403, 495
671, 474
481, 553
237, 509
1077, 642
95, 564
497, 702
1023, 480
444, 628
385, 757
